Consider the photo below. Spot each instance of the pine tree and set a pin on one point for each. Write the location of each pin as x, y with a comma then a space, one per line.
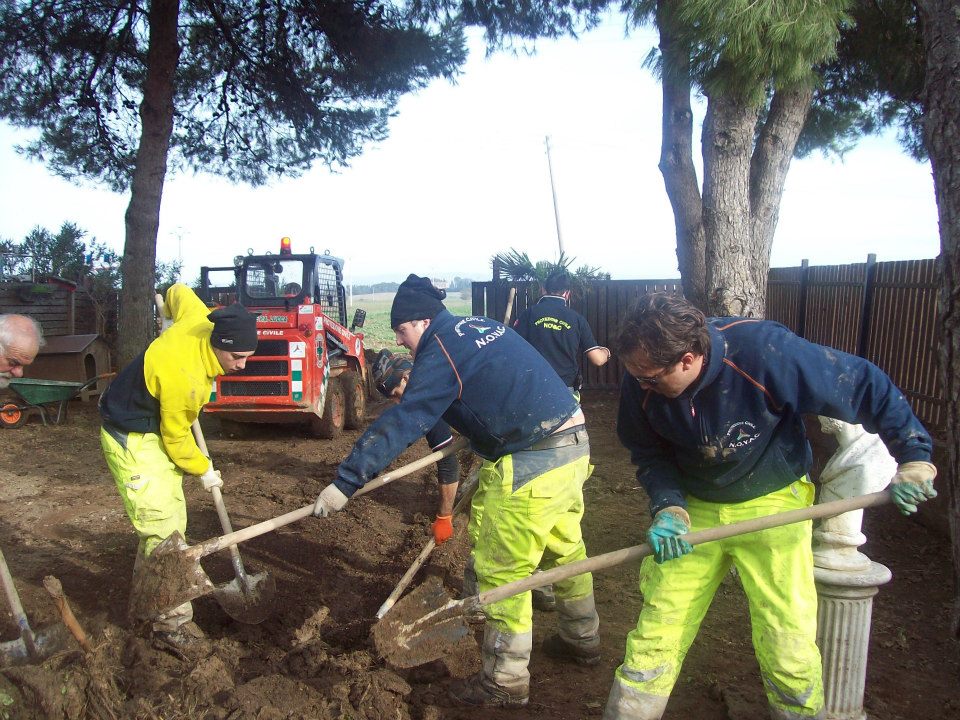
122, 91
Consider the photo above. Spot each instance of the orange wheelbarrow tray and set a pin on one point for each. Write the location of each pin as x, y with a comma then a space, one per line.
49, 398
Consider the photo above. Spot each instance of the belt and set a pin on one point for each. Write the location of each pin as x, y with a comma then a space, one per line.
576, 435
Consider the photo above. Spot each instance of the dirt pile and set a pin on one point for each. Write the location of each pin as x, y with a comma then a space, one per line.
128, 676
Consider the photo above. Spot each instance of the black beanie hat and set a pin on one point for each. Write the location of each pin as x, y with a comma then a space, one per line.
234, 329
416, 299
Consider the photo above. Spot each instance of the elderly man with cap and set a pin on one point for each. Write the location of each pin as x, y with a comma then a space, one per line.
148, 412
486, 382
20, 340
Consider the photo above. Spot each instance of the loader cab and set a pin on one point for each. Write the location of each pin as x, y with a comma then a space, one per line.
286, 281
274, 281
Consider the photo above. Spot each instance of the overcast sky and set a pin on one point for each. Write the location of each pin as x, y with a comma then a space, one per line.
464, 175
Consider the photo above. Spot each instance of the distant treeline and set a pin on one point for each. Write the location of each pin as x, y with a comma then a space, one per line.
457, 284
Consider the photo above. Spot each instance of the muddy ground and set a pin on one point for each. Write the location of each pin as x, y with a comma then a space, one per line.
313, 658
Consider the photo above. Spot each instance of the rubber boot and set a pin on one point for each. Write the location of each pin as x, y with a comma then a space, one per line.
186, 641
578, 632
504, 680
171, 620
627, 703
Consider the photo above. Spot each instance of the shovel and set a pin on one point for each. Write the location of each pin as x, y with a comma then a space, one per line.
31, 647
427, 623
467, 495
246, 598
171, 574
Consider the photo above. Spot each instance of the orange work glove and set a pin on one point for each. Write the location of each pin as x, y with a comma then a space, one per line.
442, 529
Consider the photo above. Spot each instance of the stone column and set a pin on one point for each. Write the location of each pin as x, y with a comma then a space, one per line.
847, 579
843, 633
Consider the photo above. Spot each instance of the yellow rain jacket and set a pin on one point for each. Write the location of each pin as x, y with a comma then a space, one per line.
164, 389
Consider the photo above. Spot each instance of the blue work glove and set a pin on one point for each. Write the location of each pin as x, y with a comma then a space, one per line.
912, 484
665, 534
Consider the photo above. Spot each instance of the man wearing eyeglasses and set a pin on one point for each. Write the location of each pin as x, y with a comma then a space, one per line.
711, 412
20, 340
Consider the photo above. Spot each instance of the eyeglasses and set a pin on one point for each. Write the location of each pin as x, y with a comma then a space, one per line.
652, 380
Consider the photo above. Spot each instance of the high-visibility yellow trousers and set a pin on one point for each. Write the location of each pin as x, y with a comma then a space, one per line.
516, 522
775, 567
151, 487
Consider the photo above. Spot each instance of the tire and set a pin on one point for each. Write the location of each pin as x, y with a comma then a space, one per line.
12, 416
330, 425
356, 399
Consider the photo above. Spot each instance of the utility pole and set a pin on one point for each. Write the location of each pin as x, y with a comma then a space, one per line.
553, 191
179, 232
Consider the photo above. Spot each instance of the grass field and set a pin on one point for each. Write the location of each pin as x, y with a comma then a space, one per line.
376, 330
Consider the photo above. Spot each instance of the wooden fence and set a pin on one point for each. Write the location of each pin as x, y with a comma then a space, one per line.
58, 309
885, 312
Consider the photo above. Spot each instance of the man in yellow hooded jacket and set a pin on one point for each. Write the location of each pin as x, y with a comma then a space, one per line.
148, 412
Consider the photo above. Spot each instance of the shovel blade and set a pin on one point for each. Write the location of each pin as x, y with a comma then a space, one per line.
170, 576
48, 642
422, 627
250, 602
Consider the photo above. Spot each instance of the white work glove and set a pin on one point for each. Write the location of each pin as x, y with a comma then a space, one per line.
211, 479
329, 501
912, 484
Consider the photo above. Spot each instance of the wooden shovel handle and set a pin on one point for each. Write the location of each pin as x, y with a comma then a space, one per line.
617, 557
55, 588
469, 489
238, 536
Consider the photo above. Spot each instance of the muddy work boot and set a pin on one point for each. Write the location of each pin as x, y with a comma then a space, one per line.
478, 691
187, 638
556, 647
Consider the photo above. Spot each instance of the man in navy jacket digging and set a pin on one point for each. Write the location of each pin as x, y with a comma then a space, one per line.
711, 412
490, 385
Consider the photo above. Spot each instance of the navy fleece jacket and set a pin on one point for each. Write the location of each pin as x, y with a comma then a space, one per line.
480, 377
737, 432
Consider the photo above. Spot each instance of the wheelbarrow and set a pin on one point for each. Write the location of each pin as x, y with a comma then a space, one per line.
48, 398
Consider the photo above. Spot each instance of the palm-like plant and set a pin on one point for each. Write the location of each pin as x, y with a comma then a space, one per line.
518, 266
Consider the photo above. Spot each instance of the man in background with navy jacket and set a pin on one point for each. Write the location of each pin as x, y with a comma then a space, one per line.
711, 412
496, 390
559, 333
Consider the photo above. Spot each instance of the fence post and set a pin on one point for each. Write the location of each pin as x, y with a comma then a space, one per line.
869, 286
477, 292
802, 320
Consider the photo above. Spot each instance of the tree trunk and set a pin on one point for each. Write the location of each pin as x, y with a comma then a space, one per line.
727, 141
941, 38
768, 174
676, 164
143, 213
